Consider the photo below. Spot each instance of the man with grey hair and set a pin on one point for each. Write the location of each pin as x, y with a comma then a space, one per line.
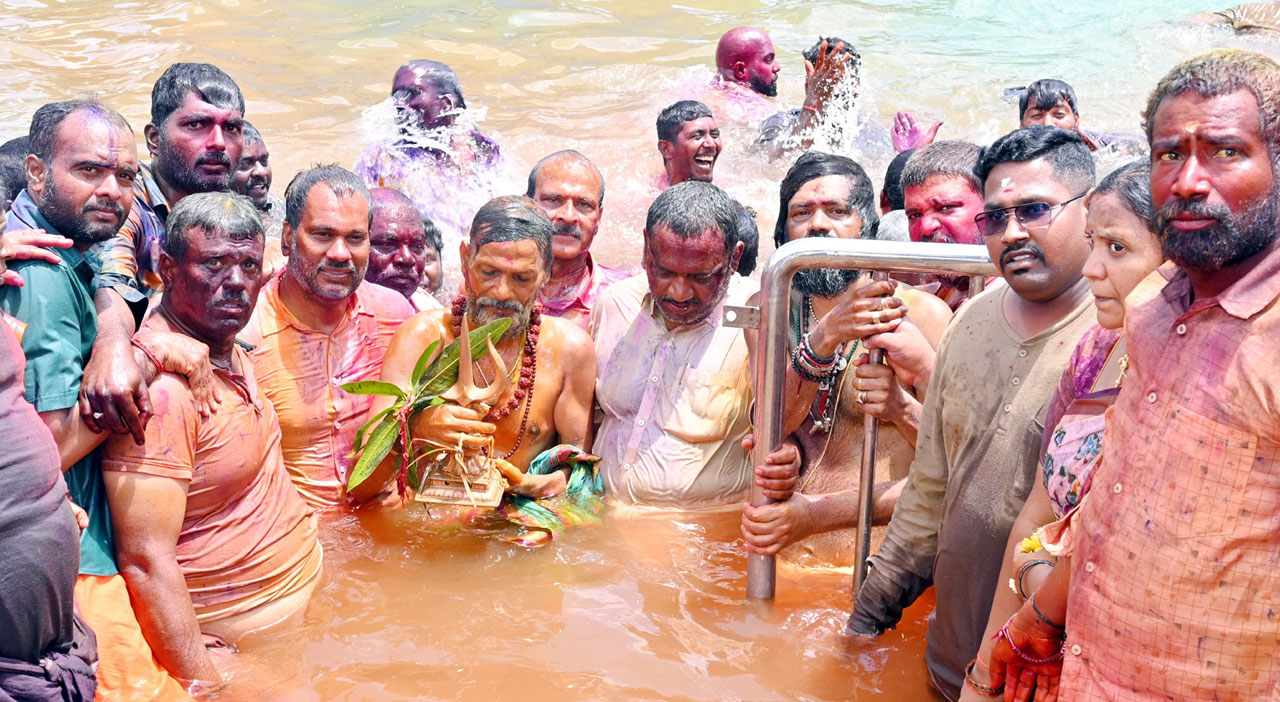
673, 384
941, 196
212, 538
507, 259
569, 187
320, 325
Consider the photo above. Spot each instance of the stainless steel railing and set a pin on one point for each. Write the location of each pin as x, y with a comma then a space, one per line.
772, 353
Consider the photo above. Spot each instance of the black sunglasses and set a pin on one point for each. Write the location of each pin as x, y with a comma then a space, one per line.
1032, 214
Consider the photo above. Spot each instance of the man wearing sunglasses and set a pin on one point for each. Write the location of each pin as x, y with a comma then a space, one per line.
996, 368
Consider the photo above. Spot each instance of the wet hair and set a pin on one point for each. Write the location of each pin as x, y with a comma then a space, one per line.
13, 168
855, 59
1044, 94
816, 164
251, 134
1064, 150
943, 158
749, 235
340, 181
693, 208
210, 83
1223, 72
432, 232
893, 179
567, 154
229, 214
441, 77
47, 119
672, 119
1131, 185
512, 218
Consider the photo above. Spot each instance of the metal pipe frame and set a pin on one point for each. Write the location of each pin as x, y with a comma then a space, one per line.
772, 355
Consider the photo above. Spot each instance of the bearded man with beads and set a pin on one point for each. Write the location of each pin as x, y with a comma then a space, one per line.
544, 417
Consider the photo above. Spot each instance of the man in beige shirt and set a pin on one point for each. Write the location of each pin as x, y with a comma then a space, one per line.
673, 383
997, 366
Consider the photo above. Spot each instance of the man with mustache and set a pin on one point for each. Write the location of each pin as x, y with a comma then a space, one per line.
1169, 583
212, 538
319, 325
80, 178
835, 311
941, 196
689, 142
569, 187
195, 140
997, 366
507, 258
398, 248
673, 382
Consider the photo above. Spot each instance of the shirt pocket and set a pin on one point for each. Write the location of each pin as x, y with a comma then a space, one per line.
704, 406
1208, 469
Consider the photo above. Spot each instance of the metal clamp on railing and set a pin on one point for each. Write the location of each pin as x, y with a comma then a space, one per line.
771, 353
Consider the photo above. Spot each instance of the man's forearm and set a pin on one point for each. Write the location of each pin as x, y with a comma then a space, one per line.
839, 510
74, 438
115, 318
167, 619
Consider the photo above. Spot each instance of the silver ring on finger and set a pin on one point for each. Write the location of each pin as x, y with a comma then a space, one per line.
862, 397
97, 415
875, 316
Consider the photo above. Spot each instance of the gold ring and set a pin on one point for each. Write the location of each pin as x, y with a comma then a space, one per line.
875, 316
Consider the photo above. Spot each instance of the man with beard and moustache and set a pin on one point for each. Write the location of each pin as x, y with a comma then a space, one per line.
212, 538
398, 248
195, 140
569, 187
833, 312
689, 143
999, 362
319, 325
507, 259
80, 177
673, 382
1170, 582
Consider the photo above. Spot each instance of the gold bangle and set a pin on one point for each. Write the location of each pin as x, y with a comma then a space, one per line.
977, 686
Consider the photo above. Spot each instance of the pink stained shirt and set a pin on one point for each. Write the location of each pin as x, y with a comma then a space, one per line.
578, 308
301, 371
1176, 550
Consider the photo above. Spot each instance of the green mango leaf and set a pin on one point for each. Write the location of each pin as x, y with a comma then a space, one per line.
421, 366
443, 373
374, 387
381, 441
369, 424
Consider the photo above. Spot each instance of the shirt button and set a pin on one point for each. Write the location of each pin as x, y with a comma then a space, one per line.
1008, 408
1089, 567
654, 379
640, 422
1117, 488
1151, 397
1075, 649
1022, 353
1016, 381
627, 467
1182, 329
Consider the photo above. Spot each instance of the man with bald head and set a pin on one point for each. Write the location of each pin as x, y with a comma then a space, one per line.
398, 247
570, 189
745, 56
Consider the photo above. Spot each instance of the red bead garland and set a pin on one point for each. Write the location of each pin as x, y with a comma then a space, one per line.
528, 369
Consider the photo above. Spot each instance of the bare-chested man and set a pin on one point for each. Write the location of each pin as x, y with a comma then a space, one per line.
833, 312
505, 261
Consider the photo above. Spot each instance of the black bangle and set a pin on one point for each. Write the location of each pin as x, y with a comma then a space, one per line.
821, 360
1041, 617
799, 368
1022, 571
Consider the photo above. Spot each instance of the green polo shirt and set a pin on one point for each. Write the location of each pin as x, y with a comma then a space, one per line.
56, 303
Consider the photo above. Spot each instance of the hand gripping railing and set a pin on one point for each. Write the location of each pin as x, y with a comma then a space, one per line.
772, 355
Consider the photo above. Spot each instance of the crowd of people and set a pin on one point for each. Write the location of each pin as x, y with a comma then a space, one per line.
179, 344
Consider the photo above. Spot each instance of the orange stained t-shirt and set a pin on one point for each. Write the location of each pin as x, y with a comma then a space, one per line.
247, 538
301, 371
